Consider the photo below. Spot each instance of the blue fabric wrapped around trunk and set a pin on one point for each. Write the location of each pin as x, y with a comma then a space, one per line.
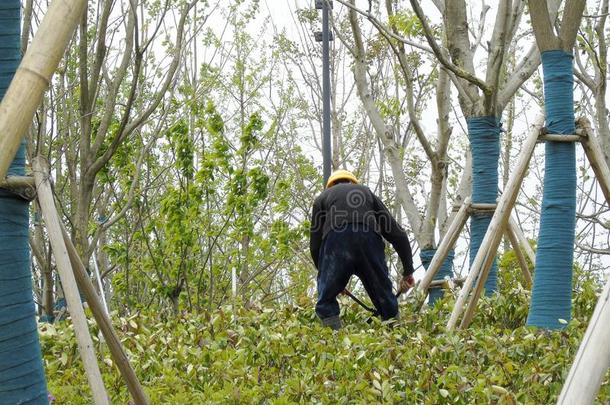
446, 270
484, 135
22, 379
552, 290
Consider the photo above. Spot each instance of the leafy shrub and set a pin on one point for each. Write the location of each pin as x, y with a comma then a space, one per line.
283, 355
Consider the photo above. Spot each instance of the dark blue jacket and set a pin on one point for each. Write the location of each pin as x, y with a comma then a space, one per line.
348, 203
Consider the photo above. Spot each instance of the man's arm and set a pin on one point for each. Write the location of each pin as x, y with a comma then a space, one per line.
316, 230
393, 233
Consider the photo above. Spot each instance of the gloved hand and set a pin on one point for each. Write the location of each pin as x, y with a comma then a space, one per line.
406, 283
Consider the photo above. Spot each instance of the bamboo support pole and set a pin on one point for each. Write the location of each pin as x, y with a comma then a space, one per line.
514, 241
98, 277
72, 295
34, 74
479, 269
523, 242
445, 246
112, 340
483, 267
483, 207
446, 283
592, 359
497, 226
594, 153
560, 138
21, 185
17, 182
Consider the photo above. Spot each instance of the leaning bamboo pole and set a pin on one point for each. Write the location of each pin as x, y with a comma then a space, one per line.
512, 237
499, 221
112, 340
445, 246
592, 359
479, 269
525, 245
62, 259
34, 74
594, 153
14, 182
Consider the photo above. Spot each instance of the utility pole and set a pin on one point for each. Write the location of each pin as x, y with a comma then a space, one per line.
325, 37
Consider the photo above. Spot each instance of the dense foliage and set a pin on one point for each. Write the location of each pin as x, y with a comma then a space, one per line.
283, 355
184, 138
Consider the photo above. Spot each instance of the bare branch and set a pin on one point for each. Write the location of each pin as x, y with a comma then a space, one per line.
522, 72
381, 129
169, 78
572, 15
543, 27
114, 87
497, 51
102, 27
479, 35
379, 25
441, 54
527, 66
592, 249
402, 58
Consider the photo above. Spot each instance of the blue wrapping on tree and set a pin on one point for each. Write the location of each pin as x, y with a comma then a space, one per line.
552, 290
446, 270
22, 379
484, 135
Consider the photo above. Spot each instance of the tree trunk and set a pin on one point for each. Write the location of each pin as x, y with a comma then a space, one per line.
552, 290
22, 378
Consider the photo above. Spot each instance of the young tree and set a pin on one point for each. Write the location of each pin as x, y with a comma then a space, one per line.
552, 290
21, 372
482, 101
422, 225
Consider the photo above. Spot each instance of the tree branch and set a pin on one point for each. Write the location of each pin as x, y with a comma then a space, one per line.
402, 59
379, 25
114, 87
572, 15
497, 51
543, 27
380, 127
527, 66
102, 27
169, 78
441, 54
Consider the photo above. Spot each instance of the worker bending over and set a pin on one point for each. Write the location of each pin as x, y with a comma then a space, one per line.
347, 224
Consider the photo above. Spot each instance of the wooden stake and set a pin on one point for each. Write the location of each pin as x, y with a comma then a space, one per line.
62, 260
105, 324
527, 276
595, 155
489, 245
20, 185
592, 359
446, 284
17, 181
445, 246
482, 207
560, 138
33, 75
523, 242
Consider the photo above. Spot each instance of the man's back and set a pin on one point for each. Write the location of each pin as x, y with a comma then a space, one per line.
342, 204
347, 224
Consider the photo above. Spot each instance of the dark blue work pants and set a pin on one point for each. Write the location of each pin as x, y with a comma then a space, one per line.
358, 251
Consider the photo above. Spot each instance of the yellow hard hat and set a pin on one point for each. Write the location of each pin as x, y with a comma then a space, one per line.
340, 175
